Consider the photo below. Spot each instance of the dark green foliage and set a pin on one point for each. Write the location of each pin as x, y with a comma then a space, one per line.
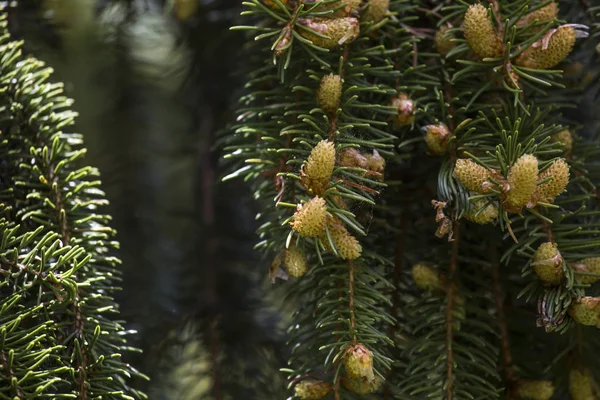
60, 336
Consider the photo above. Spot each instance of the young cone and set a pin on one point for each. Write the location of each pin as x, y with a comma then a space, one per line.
309, 218
426, 277
471, 175
535, 390
544, 14
377, 10
522, 180
482, 212
548, 263
330, 92
588, 265
554, 47
586, 311
351, 157
316, 173
436, 138
375, 162
406, 110
347, 246
580, 385
480, 34
362, 386
559, 171
294, 262
358, 363
565, 138
443, 41
339, 31
312, 389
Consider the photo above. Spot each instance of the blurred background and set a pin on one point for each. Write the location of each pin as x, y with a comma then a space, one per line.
154, 83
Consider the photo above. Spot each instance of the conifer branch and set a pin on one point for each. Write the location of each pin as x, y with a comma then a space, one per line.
450, 324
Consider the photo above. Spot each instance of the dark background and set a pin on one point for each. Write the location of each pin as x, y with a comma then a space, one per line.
154, 83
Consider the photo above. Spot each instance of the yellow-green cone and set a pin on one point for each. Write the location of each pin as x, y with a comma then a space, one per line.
548, 263
482, 212
565, 138
554, 47
535, 390
426, 277
559, 171
471, 175
443, 41
586, 311
309, 219
316, 173
588, 265
312, 389
330, 92
480, 34
580, 385
522, 180
358, 362
339, 31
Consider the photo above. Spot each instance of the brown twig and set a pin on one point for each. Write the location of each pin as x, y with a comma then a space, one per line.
507, 359
449, 313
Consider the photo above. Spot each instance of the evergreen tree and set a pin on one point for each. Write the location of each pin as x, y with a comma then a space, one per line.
59, 337
426, 173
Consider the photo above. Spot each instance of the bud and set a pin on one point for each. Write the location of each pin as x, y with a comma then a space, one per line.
480, 34
535, 390
350, 157
377, 10
565, 138
559, 171
471, 175
548, 263
522, 181
316, 172
550, 50
347, 246
406, 110
273, 5
426, 277
580, 385
443, 41
358, 362
185, 9
436, 138
545, 14
488, 213
340, 31
309, 219
362, 386
588, 265
375, 162
312, 389
330, 92
294, 262
586, 311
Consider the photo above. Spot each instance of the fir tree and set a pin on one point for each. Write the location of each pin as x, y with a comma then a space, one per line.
427, 174
59, 337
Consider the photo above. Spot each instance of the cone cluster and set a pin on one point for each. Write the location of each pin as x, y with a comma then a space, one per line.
338, 31
586, 311
548, 263
480, 34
